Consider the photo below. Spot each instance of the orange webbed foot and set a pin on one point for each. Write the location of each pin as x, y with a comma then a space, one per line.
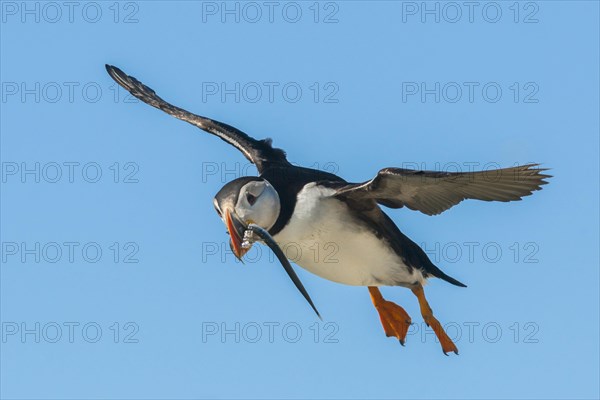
394, 319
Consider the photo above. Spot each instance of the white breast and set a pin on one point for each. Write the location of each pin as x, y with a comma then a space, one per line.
324, 238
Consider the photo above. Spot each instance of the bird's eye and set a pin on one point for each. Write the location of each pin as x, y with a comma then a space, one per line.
251, 198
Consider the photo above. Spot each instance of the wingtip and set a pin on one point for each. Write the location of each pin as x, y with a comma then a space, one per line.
538, 171
109, 68
129, 83
538, 168
114, 72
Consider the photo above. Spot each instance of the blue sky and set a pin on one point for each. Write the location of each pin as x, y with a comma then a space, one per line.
116, 278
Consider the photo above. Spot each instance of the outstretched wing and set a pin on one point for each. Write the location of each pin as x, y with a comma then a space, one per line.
433, 192
259, 152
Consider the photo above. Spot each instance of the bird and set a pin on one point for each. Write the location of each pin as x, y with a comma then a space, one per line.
310, 208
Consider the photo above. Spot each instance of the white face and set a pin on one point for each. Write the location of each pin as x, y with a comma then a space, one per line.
258, 203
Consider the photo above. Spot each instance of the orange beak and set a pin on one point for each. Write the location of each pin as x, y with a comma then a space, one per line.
236, 231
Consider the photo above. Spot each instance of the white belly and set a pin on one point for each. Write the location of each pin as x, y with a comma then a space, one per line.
323, 239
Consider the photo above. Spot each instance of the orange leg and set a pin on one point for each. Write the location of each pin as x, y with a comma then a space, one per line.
395, 319
427, 313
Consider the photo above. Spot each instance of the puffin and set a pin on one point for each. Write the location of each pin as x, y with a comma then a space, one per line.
311, 208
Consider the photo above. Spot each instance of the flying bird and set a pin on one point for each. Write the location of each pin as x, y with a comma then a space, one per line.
310, 208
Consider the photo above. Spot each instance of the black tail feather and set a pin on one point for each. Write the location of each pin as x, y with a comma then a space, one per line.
440, 274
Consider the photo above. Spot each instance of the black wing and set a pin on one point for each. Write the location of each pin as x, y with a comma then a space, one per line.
259, 152
434, 192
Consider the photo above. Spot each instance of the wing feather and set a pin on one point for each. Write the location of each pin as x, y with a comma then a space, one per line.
433, 192
259, 152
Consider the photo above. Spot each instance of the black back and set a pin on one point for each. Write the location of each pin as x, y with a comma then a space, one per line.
289, 181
